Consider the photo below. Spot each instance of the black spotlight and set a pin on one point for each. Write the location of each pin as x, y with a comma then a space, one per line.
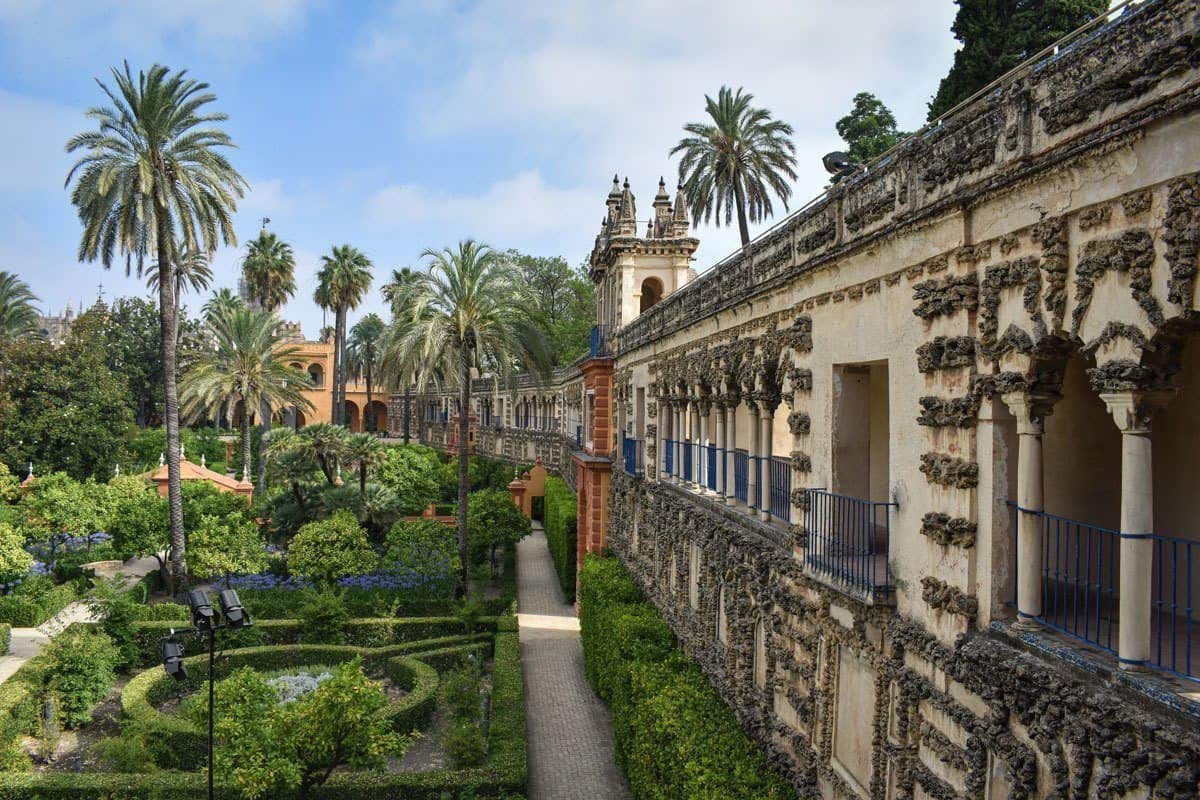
837, 163
203, 616
231, 607
172, 655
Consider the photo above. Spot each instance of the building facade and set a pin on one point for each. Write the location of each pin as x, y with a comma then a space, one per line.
912, 475
315, 357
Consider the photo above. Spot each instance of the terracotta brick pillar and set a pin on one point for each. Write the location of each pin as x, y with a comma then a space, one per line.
594, 465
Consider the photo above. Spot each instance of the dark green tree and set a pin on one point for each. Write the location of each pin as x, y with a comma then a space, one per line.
564, 303
997, 35
869, 130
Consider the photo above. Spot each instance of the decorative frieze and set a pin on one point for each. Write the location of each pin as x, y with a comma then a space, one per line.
945, 470
940, 412
947, 530
941, 596
1181, 232
937, 298
1131, 252
946, 352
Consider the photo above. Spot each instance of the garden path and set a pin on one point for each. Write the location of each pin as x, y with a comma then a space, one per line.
569, 731
28, 642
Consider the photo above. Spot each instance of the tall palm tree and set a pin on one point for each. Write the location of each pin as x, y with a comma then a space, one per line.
468, 313
343, 279
248, 364
222, 301
366, 451
18, 316
395, 292
269, 270
151, 173
362, 356
735, 162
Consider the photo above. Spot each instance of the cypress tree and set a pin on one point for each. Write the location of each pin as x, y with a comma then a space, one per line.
997, 35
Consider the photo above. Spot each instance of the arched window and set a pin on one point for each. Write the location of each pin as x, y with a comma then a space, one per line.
652, 292
316, 374
760, 655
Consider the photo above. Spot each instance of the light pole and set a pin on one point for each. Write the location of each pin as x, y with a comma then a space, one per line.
206, 621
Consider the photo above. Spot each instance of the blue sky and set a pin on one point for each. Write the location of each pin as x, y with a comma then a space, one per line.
397, 126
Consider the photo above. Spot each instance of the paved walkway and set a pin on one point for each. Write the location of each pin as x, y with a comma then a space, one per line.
569, 730
28, 642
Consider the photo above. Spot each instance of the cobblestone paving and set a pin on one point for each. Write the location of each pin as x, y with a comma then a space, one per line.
569, 730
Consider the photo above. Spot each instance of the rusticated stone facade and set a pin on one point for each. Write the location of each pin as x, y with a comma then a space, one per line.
912, 476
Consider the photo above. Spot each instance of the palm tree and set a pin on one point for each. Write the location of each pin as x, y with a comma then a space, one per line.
222, 301
151, 173
394, 292
366, 451
18, 317
343, 279
468, 313
735, 162
362, 355
192, 271
249, 364
269, 269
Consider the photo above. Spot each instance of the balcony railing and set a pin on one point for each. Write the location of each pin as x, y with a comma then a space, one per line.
631, 451
598, 342
741, 475
711, 454
1081, 580
687, 461
848, 541
781, 488
669, 456
579, 436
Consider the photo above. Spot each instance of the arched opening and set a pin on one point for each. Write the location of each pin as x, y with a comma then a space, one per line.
353, 419
377, 416
316, 375
652, 292
298, 418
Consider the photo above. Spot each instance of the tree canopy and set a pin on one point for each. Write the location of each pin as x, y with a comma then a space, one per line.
869, 130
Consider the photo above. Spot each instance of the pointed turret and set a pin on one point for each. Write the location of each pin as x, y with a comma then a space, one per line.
680, 218
614, 199
627, 220
662, 211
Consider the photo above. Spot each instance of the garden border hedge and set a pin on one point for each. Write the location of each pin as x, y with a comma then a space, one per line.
562, 508
503, 774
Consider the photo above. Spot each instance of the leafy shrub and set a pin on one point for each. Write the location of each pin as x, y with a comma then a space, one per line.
125, 754
82, 667
140, 525
412, 473
324, 619
460, 693
465, 745
330, 549
220, 546
561, 508
36, 600
173, 612
15, 561
675, 737
5, 638
117, 611
423, 547
493, 521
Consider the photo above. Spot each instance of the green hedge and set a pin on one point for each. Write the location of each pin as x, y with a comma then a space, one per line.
675, 738
470, 784
560, 511
5, 638
28, 608
372, 633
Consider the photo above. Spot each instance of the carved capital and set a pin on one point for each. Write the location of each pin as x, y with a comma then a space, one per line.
1030, 409
1134, 410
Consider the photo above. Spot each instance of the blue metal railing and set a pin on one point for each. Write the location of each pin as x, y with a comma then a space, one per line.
669, 456
598, 342
848, 540
1081, 580
687, 461
741, 475
631, 450
781, 488
710, 466
579, 436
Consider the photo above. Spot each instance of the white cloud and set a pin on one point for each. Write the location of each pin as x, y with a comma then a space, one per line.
228, 28
589, 88
521, 206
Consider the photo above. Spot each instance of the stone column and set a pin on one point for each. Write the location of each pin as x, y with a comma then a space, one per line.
767, 421
720, 449
678, 445
1030, 411
731, 453
752, 470
694, 440
702, 476
1132, 411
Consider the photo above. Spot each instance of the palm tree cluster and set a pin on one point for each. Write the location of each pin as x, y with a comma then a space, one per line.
19, 318
461, 318
343, 280
151, 181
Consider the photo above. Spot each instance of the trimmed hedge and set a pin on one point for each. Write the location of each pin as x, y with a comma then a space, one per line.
560, 511
5, 638
372, 633
28, 609
675, 738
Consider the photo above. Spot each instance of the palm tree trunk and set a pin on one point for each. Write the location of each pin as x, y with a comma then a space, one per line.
740, 195
168, 313
369, 410
245, 436
264, 412
339, 367
464, 394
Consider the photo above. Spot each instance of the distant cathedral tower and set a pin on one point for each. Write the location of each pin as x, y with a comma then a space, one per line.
634, 272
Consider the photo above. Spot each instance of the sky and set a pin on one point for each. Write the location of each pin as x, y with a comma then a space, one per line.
401, 126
